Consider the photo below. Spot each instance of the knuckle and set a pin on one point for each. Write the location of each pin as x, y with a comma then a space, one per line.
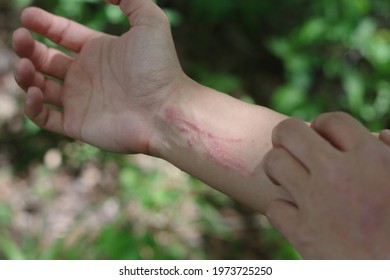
267, 162
40, 59
272, 160
330, 121
283, 129
268, 159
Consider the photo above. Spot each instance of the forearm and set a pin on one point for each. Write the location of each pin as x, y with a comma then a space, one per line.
221, 141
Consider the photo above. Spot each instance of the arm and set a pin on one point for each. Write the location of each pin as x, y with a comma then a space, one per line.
129, 94
221, 141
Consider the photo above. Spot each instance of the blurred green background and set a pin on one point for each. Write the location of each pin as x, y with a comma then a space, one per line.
61, 199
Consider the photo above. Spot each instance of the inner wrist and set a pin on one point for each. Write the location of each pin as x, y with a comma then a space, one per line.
164, 132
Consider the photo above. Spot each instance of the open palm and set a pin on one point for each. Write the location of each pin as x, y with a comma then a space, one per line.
105, 94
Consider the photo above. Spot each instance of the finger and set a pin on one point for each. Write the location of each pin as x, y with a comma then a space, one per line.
46, 60
26, 76
42, 116
281, 167
384, 136
341, 130
284, 217
143, 12
62, 31
300, 141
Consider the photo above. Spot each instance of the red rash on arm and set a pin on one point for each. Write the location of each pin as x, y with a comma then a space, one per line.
216, 147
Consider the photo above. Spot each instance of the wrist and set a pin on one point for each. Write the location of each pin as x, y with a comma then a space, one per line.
218, 139
186, 121
163, 132
199, 125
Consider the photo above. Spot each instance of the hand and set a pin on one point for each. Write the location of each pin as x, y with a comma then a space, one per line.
108, 92
338, 175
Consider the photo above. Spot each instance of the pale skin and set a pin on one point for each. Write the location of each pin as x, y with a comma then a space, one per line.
341, 191
129, 94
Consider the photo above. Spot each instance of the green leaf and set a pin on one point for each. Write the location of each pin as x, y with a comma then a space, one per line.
10, 250
174, 17
113, 14
378, 50
312, 30
19, 4
382, 101
363, 33
223, 82
5, 214
287, 98
354, 87
30, 127
128, 177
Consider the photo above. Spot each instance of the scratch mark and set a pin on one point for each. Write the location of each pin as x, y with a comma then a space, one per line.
215, 146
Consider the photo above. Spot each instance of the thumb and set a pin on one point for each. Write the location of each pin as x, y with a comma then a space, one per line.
142, 12
384, 136
283, 215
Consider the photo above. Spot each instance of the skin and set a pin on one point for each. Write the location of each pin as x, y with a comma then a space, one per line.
337, 173
129, 94
140, 69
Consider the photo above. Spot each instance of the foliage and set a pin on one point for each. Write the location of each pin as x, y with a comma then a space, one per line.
343, 48
298, 57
